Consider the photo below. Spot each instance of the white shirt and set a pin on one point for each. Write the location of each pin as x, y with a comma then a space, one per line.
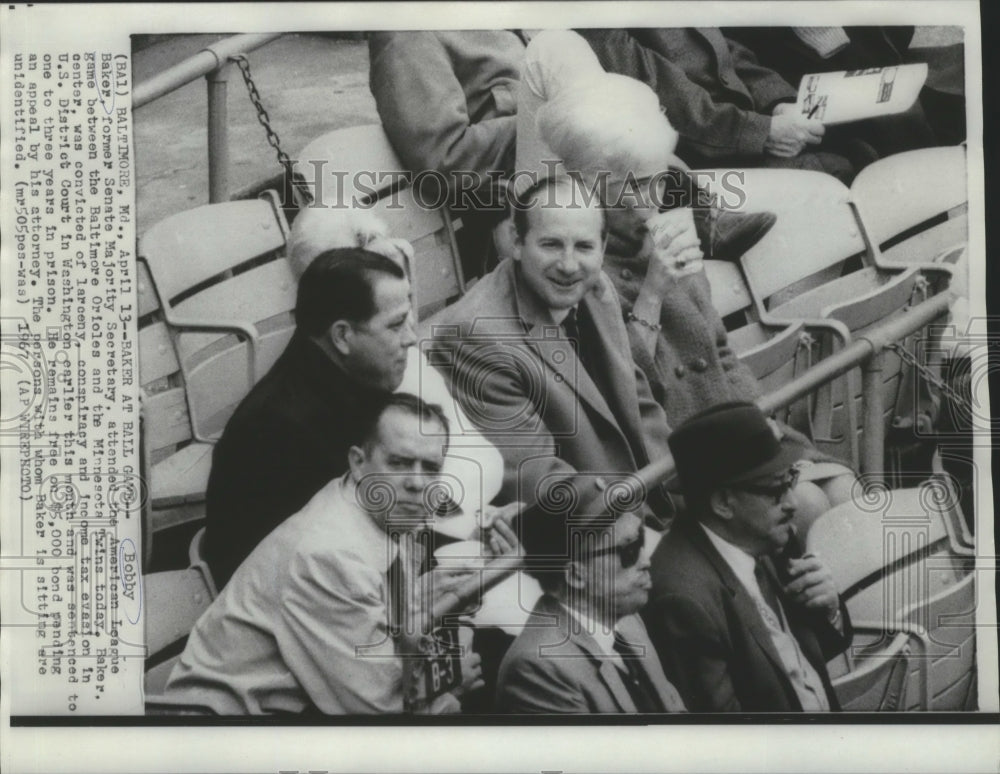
805, 680
605, 639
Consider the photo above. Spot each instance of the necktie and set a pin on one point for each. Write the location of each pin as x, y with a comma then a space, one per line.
571, 326
395, 577
639, 686
767, 591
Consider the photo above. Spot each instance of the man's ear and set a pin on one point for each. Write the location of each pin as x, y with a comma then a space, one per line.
340, 335
355, 459
515, 247
721, 501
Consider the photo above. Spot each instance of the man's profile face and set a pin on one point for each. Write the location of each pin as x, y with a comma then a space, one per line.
763, 522
562, 252
378, 346
623, 589
396, 466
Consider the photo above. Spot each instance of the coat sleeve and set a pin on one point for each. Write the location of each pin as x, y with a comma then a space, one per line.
766, 86
424, 110
713, 129
332, 606
694, 652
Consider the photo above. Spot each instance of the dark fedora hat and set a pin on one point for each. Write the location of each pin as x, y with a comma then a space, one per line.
729, 443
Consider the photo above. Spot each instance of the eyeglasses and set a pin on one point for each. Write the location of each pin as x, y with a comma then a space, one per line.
777, 491
628, 552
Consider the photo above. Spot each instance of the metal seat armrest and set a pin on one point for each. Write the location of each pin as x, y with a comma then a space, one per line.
918, 637
242, 330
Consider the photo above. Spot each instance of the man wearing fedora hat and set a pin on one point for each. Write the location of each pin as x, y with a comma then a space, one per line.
740, 622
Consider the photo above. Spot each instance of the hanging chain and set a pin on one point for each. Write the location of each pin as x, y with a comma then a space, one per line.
265, 120
907, 357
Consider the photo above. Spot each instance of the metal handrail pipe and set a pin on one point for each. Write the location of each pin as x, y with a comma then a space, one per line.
196, 66
652, 474
851, 356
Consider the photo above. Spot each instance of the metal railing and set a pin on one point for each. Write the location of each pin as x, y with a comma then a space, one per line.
213, 63
865, 351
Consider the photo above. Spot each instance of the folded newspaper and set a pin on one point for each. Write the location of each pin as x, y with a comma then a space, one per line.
853, 95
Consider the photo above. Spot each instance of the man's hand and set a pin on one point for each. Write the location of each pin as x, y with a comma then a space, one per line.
497, 532
676, 249
812, 585
472, 664
791, 132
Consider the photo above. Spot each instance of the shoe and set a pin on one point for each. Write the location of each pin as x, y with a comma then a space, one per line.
727, 235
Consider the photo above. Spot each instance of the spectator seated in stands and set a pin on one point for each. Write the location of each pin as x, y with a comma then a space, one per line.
654, 261
447, 102
556, 58
727, 108
797, 51
584, 649
291, 430
291, 433
741, 623
538, 355
318, 617
473, 468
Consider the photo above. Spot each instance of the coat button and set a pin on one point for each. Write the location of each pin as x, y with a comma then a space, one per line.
679, 371
626, 274
700, 365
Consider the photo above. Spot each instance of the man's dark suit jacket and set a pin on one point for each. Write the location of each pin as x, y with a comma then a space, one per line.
286, 440
712, 642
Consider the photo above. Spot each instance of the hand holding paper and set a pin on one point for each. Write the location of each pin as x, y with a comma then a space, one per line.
791, 132
853, 95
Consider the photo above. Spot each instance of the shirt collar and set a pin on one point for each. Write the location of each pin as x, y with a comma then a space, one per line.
368, 535
605, 639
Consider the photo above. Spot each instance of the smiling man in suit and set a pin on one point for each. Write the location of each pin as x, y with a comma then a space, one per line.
584, 649
740, 622
538, 355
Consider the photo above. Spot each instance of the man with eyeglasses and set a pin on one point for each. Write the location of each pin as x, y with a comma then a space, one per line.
584, 649
741, 620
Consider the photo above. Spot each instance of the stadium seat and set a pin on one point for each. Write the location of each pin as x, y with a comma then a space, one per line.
945, 673
813, 267
874, 679
197, 559
216, 299
895, 561
912, 208
357, 166
176, 599
775, 354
